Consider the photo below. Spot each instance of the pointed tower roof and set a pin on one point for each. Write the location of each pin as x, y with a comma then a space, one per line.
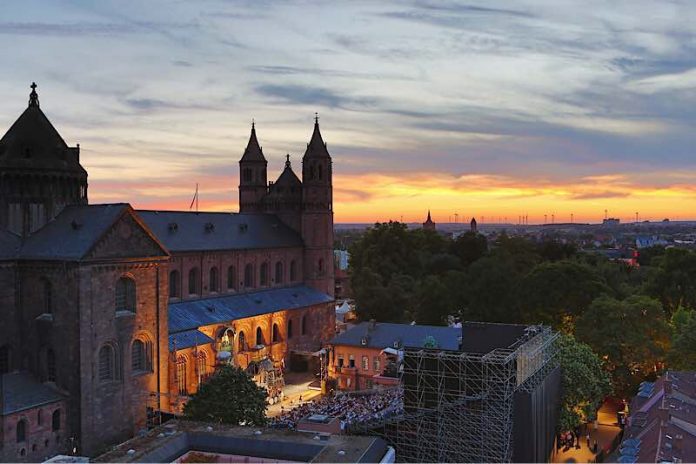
316, 148
288, 178
33, 142
429, 219
253, 151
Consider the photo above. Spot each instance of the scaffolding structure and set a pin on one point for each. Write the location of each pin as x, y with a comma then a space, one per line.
459, 406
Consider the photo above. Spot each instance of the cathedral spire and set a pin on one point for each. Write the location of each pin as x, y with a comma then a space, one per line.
33, 96
316, 148
253, 151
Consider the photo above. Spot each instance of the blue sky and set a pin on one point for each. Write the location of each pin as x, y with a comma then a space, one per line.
484, 108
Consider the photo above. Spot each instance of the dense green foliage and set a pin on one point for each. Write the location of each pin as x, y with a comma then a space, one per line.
636, 320
585, 383
230, 396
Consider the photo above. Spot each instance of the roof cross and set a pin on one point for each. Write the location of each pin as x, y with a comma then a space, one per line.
33, 96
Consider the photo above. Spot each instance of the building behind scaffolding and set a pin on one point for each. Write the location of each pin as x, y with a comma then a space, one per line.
496, 399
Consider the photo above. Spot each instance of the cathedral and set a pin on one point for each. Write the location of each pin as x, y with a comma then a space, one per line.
111, 315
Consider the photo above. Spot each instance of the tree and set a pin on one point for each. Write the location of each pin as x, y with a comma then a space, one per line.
672, 282
584, 383
230, 396
555, 291
433, 302
682, 354
491, 290
631, 336
469, 247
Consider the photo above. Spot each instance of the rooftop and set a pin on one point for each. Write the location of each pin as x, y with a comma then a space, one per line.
175, 438
386, 335
20, 391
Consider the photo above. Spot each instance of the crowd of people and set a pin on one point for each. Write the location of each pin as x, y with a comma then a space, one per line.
350, 409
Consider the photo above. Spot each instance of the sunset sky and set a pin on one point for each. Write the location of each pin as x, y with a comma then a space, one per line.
494, 108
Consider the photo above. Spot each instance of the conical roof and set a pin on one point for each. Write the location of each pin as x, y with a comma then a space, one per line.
253, 150
316, 148
33, 142
288, 178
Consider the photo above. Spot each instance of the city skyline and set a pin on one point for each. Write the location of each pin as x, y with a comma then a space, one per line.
485, 109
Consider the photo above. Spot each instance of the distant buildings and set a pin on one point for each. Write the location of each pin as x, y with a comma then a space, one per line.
661, 426
643, 241
429, 224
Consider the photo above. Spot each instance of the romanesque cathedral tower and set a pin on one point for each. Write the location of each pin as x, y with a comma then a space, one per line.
252, 176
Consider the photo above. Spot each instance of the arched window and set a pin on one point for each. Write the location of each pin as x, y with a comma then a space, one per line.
249, 276
21, 431
293, 271
264, 274
202, 366
141, 356
304, 325
55, 420
289, 328
174, 284
279, 272
181, 375
50, 365
276, 333
107, 364
242, 342
47, 296
259, 336
246, 173
231, 278
320, 171
320, 265
193, 281
39, 417
4, 359
125, 294
213, 285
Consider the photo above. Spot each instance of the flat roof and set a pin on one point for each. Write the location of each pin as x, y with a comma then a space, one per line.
177, 437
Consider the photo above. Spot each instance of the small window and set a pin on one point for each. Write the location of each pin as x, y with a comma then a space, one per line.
106, 363
259, 336
376, 364
242, 341
351, 361
139, 358
340, 360
21, 431
202, 366
264, 274
55, 420
213, 279
231, 278
293, 271
125, 294
39, 417
174, 284
50, 365
47, 297
276, 333
4, 359
321, 171
320, 266
304, 325
289, 328
279, 272
249, 276
181, 375
365, 363
193, 281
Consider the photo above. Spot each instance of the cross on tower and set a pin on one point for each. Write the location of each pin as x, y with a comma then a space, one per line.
316, 117
33, 96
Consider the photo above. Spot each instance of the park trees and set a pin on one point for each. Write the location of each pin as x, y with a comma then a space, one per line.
584, 383
230, 396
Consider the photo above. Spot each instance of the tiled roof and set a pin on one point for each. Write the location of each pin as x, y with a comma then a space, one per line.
191, 231
384, 335
253, 151
187, 339
188, 315
316, 148
9, 244
21, 391
72, 233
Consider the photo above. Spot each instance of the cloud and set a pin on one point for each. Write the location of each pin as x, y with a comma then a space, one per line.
307, 95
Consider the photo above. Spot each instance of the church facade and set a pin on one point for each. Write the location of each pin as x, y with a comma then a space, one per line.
111, 315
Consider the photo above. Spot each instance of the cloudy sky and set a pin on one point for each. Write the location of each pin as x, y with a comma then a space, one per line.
491, 109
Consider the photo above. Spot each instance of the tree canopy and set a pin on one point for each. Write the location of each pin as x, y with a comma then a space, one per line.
230, 396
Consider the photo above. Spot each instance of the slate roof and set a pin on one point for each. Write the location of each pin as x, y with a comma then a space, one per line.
33, 134
191, 231
253, 151
188, 315
21, 391
9, 244
187, 339
316, 148
383, 335
72, 233
288, 178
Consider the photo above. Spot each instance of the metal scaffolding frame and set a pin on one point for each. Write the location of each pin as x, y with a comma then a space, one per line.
459, 406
